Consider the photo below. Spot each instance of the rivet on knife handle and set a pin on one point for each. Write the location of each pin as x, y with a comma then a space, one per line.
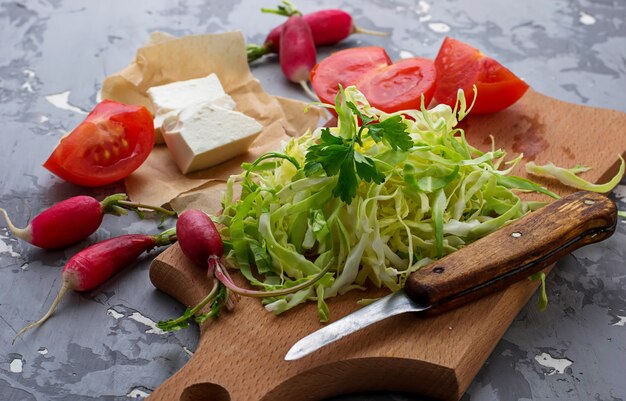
513, 252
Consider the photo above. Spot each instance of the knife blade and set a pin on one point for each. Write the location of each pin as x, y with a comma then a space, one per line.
490, 264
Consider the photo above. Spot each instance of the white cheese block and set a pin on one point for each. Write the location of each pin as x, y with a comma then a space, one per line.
203, 135
171, 98
224, 101
178, 95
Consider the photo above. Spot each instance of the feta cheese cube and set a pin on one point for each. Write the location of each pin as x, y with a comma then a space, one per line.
203, 135
171, 98
178, 95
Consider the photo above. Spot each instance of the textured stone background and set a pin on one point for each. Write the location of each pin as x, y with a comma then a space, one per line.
102, 345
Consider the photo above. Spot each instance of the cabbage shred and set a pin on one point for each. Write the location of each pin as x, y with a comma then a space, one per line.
429, 200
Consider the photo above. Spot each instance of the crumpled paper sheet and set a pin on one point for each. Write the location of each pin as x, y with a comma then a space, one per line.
168, 59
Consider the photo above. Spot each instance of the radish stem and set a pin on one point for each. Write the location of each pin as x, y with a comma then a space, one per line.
167, 237
158, 209
255, 52
206, 299
170, 324
223, 276
218, 297
65, 288
117, 204
287, 10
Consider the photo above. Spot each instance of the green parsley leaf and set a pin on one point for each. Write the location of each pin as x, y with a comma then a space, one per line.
365, 120
366, 169
329, 138
393, 132
336, 155
347, 183
330, 153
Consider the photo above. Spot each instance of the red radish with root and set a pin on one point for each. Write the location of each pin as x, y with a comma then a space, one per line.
297, 52
74, 219
327, 26
200, 241
95, 264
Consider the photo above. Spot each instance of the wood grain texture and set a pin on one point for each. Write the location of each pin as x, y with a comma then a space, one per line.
514, 252
240, 356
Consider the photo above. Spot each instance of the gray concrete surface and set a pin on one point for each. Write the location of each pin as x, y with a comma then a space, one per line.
101, 345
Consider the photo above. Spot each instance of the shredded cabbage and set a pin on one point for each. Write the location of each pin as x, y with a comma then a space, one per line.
569, 176
437, 197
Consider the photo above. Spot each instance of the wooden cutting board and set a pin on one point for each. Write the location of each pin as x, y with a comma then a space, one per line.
240, 355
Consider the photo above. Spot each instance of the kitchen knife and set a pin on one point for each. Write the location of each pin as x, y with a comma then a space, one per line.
492, 263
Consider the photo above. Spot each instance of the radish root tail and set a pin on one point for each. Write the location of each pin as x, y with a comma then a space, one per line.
308, 91
21, 233
65, 288
358, 29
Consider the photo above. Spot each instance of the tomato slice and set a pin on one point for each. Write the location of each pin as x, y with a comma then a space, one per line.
460, 66
399, 86
111, 143
345, 67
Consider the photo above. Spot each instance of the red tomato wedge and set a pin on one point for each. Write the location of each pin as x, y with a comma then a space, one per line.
459, 66
399, 86
111, 143
345, 67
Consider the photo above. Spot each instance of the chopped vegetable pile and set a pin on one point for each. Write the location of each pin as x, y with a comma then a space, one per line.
375, 202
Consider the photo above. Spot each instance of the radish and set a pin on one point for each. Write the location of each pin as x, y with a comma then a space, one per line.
297, 52
200, 241
73, 220
328, 27
198, 237
95, 264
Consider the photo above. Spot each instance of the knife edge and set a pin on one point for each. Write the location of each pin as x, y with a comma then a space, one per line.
390, 305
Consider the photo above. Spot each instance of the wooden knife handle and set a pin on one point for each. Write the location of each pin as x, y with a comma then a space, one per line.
514, 252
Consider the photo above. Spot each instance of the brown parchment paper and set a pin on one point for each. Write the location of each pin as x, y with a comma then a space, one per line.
168, 59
